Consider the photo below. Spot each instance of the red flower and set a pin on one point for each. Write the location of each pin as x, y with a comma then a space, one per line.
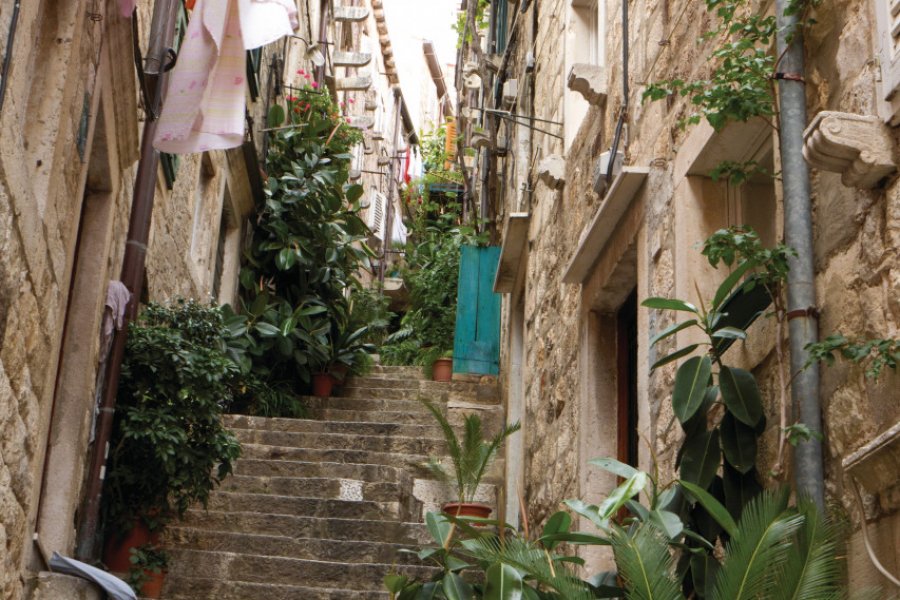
315, 84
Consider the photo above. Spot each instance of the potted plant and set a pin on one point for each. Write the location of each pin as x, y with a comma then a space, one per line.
169, 447
471, 456
438, 363
148, 570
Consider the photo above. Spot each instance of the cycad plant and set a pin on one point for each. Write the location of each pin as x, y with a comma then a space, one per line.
471, 456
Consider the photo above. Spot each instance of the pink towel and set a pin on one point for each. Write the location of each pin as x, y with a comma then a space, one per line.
204, 104
126, 7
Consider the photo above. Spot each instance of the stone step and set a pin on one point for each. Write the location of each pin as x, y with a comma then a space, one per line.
376, 405
300, 506
351, 13
361, 457
194, 588
280, 545
342, 441
353, 84
254, 568
321, 488
371, 530
319, 426
296, 468
399, 417
397, 372
351, 59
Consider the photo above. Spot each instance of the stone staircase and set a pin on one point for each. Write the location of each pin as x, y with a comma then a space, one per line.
318, 508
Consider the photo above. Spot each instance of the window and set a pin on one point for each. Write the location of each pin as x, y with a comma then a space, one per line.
887, 16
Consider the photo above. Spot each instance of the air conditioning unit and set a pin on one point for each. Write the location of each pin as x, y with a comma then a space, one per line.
601, 169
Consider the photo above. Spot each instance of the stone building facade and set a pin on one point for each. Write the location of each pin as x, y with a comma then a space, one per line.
70, 128
576, 263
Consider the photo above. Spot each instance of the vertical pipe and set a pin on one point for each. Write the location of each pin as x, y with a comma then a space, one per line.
162, 31
801, 289
7, 57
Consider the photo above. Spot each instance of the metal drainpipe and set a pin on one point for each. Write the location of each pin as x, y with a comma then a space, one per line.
7, 58
623, 111
392, 183
162, 31
801, 288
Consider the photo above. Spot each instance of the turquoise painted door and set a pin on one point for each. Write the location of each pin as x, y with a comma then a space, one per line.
476, 347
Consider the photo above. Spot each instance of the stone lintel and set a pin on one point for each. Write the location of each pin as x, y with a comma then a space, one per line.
589, 81
351, 13
597, 233
858, 147
515, 238
359, 84
876, 465
552, 171
361, 121
351, 59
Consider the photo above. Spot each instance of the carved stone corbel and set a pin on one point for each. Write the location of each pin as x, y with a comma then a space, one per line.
858, 147
589, 81
552, 171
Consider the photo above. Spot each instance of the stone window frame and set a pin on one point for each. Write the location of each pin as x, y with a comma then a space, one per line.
584, 17
887, 48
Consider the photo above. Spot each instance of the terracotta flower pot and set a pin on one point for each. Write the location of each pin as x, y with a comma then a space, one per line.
442, 369
322, 383
117, 551
152, 588
467, 509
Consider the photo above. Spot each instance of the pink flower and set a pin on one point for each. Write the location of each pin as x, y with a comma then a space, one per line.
307, 75
348, 119
351, 100
301, 72
315, 85
291, 99
343, 104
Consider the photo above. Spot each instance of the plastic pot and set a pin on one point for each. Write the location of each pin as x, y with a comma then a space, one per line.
442, 369
117, 551
467, 509
152, 588
322, 384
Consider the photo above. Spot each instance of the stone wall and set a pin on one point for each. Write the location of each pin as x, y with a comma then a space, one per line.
857, 240
69, 133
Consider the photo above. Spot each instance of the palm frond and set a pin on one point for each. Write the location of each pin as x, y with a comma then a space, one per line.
472, 454
453, 446
761, 543
531, 560
812, 570
645, 564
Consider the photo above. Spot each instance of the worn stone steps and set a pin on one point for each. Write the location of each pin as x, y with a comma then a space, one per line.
320, 508
194, 588
341, 441
342, 455
320, 487
360, 427
395, 532
307, 507
291, 547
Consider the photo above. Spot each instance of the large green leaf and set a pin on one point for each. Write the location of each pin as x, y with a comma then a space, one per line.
739, 489
669, 304
701, 458
502, 582
741, 394
394, 582
674, 356
691, 383
738, 443
558, 523
671, 330
712, 506
614, 466
455, 588
726, 286
439, 527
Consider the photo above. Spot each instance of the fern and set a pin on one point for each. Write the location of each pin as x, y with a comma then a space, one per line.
812, 571
763, 540
645, 564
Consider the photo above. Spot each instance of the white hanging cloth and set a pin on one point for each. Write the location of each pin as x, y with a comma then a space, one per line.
204, 105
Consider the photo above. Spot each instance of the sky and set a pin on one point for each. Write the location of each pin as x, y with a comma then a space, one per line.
410, 22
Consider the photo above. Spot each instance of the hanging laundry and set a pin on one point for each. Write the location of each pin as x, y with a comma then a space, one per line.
204, 104
126, 7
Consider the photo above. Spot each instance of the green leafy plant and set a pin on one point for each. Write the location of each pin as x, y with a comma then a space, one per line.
169, 448
471, 456
146, 560
875, 354
296, 317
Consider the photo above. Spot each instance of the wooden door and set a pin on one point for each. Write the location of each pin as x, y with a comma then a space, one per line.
476, 346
